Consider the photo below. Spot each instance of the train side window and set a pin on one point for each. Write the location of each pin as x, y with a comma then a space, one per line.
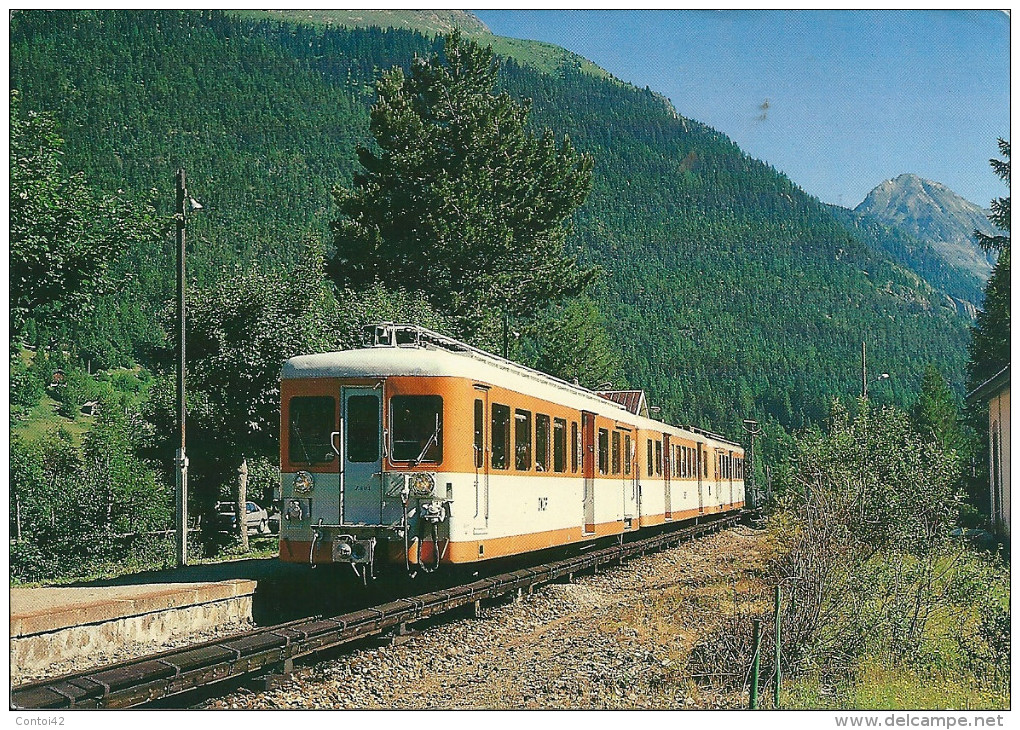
651, 463
500, 436
658, 457
542, 442
311, 421
603, 451
616, 452
626, 454
522, 439
559, 445
479, 433
575, 447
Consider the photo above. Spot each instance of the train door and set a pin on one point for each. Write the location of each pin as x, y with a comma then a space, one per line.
667, 468
718, 474
631, 510
702, 475
635, 487
361, 493
729, 473
588, 468
482, 455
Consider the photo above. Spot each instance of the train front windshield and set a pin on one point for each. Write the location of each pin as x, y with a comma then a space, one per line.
311, 423
417, 428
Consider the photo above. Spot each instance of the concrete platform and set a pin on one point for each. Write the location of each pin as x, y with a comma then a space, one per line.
55, 625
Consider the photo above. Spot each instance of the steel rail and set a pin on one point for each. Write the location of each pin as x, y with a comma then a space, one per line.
157, 676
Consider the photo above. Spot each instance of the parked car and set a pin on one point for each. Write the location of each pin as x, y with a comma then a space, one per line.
256, 519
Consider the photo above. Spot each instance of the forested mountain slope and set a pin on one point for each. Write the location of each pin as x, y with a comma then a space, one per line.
963, 289
730, 292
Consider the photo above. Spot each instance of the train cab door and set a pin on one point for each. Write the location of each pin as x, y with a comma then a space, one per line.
361, 493
667, 469
482, 459
702, 466
588, 469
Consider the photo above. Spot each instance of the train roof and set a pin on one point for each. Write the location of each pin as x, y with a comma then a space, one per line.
425, 358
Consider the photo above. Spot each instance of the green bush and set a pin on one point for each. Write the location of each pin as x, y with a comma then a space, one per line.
877, 586
77, 511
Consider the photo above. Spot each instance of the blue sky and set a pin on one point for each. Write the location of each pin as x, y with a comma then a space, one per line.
853, 97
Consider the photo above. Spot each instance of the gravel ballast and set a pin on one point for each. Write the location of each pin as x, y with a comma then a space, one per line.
616, 640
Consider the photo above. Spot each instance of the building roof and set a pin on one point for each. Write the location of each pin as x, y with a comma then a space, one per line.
990, 387
633, 400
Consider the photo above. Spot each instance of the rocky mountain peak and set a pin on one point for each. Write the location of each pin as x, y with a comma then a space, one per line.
933, 213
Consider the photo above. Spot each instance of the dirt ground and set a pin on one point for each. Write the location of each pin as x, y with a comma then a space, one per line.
621, 639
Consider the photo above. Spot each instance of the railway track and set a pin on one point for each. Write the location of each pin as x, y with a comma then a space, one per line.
275, 648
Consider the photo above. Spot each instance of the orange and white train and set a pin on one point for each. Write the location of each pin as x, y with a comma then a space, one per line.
420, 451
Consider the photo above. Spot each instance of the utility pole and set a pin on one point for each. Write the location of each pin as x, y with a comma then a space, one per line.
753, 428
242, 502
182, 458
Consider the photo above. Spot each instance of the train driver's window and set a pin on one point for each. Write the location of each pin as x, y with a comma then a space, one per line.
651, 464
500, 436
603, 451
312, 421
522, 439
542, 442
559, 445
575, 447
416, 424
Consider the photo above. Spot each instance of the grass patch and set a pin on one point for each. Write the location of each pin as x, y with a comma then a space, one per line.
44, 418
881, 685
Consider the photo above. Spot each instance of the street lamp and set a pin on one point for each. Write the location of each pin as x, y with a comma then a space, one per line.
879, 379
181, 459
864, 372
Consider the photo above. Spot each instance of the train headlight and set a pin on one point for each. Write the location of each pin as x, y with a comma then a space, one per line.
303, 483
421, 484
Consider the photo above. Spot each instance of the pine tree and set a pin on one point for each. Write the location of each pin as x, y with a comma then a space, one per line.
461, 201
989, 347
571, 343
935, 413
1000, 216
